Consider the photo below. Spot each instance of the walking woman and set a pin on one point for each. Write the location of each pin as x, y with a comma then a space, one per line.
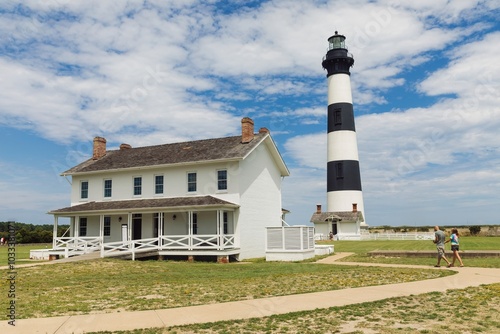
455, 247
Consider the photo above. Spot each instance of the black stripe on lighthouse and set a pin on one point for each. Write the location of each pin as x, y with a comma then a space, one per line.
340, 117
343, 175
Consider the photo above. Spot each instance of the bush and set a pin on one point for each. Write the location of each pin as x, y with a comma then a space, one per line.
474, 230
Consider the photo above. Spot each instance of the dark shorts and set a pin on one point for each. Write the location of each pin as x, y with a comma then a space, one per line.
455, 248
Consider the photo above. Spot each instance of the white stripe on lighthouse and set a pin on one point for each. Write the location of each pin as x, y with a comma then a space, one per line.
342, 145
339, 88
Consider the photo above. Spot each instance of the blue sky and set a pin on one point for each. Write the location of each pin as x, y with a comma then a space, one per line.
426, 84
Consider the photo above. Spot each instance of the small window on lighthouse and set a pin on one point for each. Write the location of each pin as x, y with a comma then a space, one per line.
339, 167
337, 116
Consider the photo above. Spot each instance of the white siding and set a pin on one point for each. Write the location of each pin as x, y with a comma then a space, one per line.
175, 183
260, 186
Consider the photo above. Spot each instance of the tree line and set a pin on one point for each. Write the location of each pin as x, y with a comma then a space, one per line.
30, 233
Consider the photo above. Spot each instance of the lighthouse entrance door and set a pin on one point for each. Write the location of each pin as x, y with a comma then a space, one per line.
334, 228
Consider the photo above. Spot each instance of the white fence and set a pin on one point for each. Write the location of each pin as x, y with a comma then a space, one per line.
289, 243
398, 236
172, 242
77, 245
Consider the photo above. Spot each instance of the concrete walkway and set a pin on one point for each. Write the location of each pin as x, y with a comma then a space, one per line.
465, 277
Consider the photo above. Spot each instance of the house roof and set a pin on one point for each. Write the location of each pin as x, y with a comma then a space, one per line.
323, 217
146, 204
218, 149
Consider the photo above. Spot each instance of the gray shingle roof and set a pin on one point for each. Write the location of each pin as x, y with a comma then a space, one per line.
341, 215
176, 153
137, 204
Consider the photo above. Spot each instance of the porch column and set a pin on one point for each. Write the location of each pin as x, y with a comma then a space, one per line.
129, 226
190, 230
101, 228
77, 227
54, 236
160, 228
220, 229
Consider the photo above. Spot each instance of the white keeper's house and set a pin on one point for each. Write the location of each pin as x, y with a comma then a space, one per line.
212, 197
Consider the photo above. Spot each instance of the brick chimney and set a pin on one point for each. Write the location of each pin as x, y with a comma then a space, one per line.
354, 207
264, 130
246, 130
318, 208
99, 148
125, 147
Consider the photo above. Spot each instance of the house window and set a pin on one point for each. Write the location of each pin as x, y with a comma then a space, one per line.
195, 223
137, 186
339, 167
84, 189
191, 182
222, 179
83, 227
107, 226
225, 221
159, 184
107, 188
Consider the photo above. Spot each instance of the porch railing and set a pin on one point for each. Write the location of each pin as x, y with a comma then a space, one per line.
77, 245
168, 242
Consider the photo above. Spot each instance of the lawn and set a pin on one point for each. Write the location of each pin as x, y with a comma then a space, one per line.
22, 253
112, 285
456, 311
362, 248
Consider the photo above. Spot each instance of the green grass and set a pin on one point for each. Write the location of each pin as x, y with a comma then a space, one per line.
458, 311
22, 252
111, 285
361, 249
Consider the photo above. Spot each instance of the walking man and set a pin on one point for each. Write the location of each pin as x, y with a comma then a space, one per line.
439, 238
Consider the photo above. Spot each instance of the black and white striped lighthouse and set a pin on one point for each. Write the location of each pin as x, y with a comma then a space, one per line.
343, 175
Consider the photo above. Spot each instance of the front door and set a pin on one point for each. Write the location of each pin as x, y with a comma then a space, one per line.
137, 227
334, 228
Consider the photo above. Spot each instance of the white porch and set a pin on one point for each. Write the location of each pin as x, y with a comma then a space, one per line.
206, 232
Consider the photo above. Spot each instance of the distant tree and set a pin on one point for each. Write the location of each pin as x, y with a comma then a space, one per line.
474, 230
423, 229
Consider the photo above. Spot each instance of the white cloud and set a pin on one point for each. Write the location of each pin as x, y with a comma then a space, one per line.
156, 72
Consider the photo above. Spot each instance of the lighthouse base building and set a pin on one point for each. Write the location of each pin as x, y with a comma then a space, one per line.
338, 225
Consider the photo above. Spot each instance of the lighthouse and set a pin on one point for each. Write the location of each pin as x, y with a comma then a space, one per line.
344, 191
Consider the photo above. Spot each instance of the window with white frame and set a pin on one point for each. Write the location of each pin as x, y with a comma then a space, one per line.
159, 184
84, 189
222, 179
191, 182
83, 227
108, 184
107, 226
137, 186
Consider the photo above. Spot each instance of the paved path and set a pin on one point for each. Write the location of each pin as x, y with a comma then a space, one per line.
465, 277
